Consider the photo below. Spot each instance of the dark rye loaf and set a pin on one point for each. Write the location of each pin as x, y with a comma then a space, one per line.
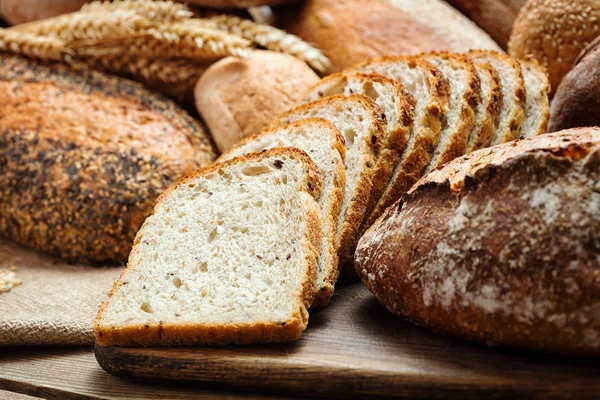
84, 156
500, 246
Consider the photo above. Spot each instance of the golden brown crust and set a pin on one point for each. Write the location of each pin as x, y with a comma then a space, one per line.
554, 32
188, 334
483, 135
82, 150
426, 131
323, 293
512, 129
503, 250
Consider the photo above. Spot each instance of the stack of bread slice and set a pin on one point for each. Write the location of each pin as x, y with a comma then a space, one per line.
238, 252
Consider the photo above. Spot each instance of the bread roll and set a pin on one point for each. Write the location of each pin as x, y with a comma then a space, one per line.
577, 100
554, 32
351, 31
238, 97
500, 246
84, 156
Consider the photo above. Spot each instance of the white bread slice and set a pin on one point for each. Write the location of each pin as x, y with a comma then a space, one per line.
229, 256
360, 121
325, 146
465, 96
537, 108
430, 90
508, 123
398, 107
488, 109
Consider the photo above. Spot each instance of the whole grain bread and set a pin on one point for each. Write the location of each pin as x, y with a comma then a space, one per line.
361, 123
537, 106
430, 90
499, 246
397, 105
488, 109
83, 157
229, 256
325, 145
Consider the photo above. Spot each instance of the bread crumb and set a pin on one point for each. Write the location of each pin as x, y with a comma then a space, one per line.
8, 279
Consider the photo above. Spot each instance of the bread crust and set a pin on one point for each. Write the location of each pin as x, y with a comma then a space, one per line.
500, 246
188, 334
81, 150
482, 135
325, 291
348, 224
415, 159
512, 129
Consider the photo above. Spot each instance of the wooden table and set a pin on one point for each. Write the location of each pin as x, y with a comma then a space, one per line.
72, 373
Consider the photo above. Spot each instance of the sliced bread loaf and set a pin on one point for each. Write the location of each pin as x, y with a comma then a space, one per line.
465, 96
430, 90
398, 107
361, 123
325, 146
229, 256
488, 109
508, 123
537, 107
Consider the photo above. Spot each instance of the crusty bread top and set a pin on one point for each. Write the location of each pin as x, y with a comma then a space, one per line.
574, 143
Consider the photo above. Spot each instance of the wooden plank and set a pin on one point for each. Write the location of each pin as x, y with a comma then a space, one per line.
355, 348
72, 373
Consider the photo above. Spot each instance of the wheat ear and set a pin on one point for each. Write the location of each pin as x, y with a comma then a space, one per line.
274, 39
157, 11
46, 48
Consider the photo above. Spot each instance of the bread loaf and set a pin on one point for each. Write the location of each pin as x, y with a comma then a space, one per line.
351, 31
488, 109
325, 146
500, 246
83, 157
238, 97
229, 256
537, 105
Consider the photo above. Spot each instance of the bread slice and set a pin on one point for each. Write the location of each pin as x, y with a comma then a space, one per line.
488, 109
229, 256
465, 96
430, 90
398, 107
537, 107
360, 121
508, 123
325, 146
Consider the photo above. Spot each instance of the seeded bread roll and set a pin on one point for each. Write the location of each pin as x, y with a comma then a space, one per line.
500, 246
83, 157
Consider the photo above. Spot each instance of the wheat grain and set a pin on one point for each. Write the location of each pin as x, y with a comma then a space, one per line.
274, 39
23, 43
157, 11
88, 25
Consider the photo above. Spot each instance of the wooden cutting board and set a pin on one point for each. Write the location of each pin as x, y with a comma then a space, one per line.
355, 348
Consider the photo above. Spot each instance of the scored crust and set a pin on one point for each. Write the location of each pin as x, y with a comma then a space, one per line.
323, 293
498, 257
159, 334
426, 132
512, 127
357, 202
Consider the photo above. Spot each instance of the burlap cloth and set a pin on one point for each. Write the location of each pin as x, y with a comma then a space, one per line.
56, 302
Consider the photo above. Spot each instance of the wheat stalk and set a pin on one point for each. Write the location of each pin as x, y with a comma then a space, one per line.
46, 48
147, 69
158, 11
274, 39
177, 40
90, 25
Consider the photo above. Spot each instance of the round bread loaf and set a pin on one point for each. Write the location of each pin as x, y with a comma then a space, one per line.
554, 32
500, 246
84, 156
237, 97
577, 99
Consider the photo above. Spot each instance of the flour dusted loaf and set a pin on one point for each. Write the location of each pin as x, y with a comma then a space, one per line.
84, 156
229, 256
500, 246
325, 146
